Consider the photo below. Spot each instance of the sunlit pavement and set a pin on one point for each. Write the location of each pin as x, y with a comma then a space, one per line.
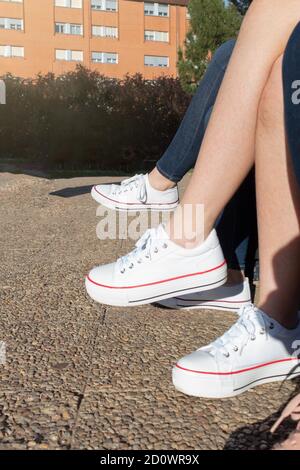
82, 375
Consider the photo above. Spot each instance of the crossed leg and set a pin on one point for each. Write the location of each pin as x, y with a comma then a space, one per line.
248, 120
221, 169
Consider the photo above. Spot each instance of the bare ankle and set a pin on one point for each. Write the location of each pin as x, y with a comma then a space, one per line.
160, 182
188, 242
188, 226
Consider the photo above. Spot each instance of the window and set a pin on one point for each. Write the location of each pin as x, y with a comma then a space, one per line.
76, 29
157, 36
105, 57
11, 23
156, 9
68, 28
105, 31
70, 56
149, 9
106, 5
69, 3
11, 51
60, 28
156, 61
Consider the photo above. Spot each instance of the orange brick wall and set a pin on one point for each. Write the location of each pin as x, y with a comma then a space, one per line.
40, 40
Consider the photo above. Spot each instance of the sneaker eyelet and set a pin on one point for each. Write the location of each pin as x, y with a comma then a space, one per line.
131, 266
235, 349
262, 331
155, 250
165, 245
272, 326
253, 338
226, 355
122, 271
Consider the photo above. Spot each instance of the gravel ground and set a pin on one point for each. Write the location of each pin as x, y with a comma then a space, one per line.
85, 376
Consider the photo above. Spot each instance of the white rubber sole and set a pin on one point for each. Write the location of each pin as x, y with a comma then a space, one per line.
181, 304
121, 207
153, 292
205, 385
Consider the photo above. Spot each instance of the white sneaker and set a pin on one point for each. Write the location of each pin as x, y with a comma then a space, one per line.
158, 269
256, 350
135, 194
230, 298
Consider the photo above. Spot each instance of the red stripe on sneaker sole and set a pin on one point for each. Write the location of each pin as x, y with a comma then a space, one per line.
157, 282
238, 371
135, 203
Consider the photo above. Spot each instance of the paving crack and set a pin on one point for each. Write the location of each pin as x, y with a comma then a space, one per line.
81, 395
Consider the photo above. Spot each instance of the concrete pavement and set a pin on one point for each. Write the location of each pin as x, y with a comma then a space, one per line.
85, 376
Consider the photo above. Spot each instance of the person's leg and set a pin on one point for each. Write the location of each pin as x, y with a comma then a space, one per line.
237, 232
181, 156
262, 346
221, 168
291, 81
182, 153
278, 200
263, 38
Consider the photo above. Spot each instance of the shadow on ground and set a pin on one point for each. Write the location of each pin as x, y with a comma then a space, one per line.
257, 436
72, 192
78, 191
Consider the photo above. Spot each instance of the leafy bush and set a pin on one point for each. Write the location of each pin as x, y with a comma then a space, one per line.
84, 120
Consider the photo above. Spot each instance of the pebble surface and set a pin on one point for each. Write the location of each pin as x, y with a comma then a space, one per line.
84, 376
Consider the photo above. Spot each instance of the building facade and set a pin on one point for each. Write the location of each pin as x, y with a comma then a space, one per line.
114, 37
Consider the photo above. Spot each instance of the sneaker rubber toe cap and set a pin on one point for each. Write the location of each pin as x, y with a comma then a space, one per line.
197, 375
198, 362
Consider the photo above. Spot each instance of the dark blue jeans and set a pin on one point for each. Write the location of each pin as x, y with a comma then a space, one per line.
291, 87
237, 226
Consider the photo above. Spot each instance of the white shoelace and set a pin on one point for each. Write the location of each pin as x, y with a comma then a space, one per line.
151, 242
251, 323
136, 182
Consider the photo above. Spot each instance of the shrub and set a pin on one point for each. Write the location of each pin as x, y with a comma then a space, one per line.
84, 120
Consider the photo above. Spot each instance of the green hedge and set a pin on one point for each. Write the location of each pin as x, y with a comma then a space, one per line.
84, 120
